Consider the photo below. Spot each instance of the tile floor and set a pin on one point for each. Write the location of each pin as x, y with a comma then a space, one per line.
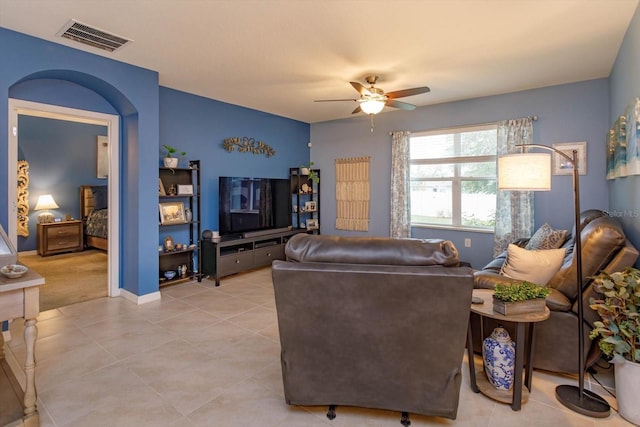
207, 356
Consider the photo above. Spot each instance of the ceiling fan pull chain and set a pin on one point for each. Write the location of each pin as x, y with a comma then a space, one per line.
371, 116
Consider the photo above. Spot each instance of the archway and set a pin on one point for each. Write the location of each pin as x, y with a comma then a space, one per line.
112, 122
57, 94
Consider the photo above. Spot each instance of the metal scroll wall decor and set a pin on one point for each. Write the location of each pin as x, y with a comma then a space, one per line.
248, 145
23, 198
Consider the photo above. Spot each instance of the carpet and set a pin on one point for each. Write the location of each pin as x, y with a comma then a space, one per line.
69, 278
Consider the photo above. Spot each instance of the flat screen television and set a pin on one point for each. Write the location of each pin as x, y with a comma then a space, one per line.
253, 204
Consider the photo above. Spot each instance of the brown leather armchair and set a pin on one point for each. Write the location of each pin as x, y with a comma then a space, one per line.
604, 247
372, 322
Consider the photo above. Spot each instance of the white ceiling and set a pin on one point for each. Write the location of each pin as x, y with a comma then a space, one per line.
279, 56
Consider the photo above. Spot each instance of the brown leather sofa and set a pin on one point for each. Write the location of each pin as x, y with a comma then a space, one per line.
604, 247
372, 322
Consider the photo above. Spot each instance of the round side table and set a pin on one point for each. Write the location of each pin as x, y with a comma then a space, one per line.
524, 351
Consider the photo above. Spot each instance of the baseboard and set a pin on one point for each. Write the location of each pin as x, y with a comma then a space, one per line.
33, 252
140, 299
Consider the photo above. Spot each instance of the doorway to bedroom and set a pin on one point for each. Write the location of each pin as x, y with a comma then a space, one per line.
68, 158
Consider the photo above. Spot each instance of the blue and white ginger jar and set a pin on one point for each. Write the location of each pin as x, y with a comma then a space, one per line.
499, 356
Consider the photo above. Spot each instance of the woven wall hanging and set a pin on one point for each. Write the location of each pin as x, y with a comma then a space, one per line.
352, 193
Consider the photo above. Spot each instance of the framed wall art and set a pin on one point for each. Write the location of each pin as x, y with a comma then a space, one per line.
172, 213
185, 190
563, 167
103, 157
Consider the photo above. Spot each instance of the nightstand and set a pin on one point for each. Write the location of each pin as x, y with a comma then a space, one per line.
58, 237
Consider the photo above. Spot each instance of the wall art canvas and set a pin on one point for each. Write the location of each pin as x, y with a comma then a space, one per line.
620, 154
103, 157
611, 154
633, 137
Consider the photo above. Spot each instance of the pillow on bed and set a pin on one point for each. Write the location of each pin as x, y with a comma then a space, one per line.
536, 266
100, 198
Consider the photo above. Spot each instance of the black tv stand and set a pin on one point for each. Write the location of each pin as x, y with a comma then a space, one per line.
230, 256
250, 234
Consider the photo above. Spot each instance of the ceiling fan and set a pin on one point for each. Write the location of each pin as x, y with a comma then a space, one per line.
372, 99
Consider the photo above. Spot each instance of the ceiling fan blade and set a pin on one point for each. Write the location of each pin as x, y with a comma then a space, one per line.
332, 100
357, 110
401, 105
407, 92
361, 89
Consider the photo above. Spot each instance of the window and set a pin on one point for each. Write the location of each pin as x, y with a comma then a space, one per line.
453, 177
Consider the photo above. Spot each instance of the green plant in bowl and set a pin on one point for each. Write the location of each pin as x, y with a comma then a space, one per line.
172, 150
520, 291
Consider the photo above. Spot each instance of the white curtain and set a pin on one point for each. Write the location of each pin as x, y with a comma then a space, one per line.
514, 209
400, 186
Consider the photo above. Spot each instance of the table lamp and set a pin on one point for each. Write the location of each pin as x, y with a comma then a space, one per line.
532, 172
45, 202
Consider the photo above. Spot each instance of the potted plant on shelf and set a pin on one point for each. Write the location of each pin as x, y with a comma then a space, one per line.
169, 160
307, 170
618, 332
519, 297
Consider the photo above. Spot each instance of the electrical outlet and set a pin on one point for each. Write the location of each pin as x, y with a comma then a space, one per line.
467, 243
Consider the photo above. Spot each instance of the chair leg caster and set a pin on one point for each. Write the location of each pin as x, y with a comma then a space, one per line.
331, 413
405, 419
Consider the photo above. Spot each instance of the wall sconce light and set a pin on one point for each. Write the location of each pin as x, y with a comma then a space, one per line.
45, 202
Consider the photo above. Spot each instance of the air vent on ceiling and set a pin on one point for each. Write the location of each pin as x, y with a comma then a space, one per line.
85, 34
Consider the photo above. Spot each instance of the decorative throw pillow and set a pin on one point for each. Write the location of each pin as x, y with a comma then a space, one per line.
536, 266
546, 238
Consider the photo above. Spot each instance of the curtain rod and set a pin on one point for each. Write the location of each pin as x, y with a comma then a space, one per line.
534, 118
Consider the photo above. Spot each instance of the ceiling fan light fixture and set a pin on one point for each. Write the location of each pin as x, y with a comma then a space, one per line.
372, 106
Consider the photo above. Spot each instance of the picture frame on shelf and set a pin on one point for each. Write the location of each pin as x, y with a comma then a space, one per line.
310, 206
172, 213
561, 166
185, 190
312, 224
161, 190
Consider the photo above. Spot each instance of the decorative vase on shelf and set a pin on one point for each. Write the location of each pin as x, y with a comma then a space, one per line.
499, 355
171, 162
188, 215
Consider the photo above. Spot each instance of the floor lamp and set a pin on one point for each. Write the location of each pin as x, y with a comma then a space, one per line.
532, 172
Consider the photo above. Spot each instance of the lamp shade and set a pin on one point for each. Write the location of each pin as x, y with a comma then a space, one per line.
372, 106
45, 202
525, 172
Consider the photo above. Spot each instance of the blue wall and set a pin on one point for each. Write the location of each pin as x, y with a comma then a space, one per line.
567, 113
199, 125
624, 196
38, 70
62, 156
133, 93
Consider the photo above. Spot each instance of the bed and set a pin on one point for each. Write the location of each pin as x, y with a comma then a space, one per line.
95, 215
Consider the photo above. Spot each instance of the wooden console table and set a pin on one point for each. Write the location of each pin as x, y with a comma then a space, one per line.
20, 298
